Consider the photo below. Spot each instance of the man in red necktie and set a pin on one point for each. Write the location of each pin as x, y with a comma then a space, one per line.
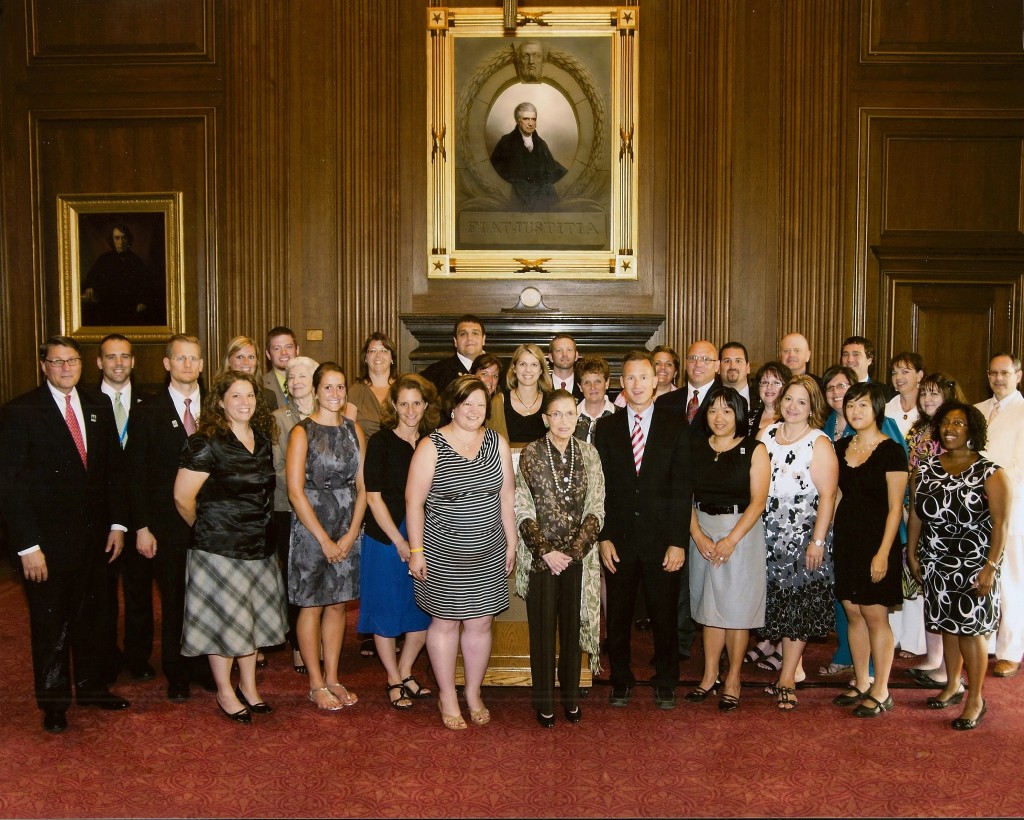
563, 355
62, 497
645, 455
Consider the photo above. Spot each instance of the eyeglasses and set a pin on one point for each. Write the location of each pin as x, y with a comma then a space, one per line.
183, 359
953, 423
769, 383
558, 415
837, 388
701, 359
1006, 374
61, 362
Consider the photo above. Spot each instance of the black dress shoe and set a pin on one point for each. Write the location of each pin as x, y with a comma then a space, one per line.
620, 695
141, 671
643, 624
241, 716
574, 716
963, 724
103, 700
178, 691
546, 721
664, 697
55, 721
938, 703
260, 708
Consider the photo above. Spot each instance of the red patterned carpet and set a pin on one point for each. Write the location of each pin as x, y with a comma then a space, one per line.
160, 759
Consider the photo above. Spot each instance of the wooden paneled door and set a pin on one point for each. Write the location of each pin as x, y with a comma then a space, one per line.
955, 322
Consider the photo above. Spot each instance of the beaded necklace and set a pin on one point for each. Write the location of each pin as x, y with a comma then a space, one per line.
566, 490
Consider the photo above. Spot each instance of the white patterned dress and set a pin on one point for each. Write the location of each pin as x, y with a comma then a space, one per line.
800, 602
954, 545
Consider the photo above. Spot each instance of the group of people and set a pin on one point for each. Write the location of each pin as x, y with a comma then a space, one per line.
790, 505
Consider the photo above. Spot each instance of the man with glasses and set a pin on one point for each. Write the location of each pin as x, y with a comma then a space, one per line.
63, 505
281, 347
160, 430
1005, 415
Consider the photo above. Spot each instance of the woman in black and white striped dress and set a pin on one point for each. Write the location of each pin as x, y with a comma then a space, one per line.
460, 513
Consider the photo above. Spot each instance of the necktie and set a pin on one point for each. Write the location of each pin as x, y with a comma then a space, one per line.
121, 419
75, 429
691, 407
188, 419
563, 385
994, 412
638, 444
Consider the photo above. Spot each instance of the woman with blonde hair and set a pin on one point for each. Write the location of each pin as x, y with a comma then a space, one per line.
516, 413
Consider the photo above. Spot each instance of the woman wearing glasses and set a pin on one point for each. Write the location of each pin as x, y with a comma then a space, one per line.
956, 535
770, 379
559, 513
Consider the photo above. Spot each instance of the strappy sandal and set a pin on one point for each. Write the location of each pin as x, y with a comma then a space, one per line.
453, 722
341, 693
403, 701
323, 706
481, 717
834, 669
772, 662
700, 694
728, 703
420, 692
755, 655
787, 699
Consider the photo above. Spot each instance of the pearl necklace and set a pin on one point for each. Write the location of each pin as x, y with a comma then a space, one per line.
784, 439
567, 490
863, 448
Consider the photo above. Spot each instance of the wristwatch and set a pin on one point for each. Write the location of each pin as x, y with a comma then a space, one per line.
818, 542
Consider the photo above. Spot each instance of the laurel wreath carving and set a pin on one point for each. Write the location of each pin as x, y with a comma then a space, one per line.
478, 192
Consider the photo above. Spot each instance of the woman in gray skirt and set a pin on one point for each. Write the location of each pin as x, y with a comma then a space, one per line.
727, 556
234, 599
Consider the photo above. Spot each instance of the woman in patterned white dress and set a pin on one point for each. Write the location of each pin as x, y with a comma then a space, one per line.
955, 540
801, 502
461, 520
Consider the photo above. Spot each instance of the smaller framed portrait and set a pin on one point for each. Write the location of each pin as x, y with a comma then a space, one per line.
121, 265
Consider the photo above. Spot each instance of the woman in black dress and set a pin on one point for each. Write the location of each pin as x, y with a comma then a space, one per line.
955, 538
866, 548
516, 413
234, 601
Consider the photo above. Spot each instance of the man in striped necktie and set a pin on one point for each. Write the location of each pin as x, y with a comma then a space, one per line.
645, 455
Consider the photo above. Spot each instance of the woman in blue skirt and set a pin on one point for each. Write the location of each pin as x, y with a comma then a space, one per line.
387, 609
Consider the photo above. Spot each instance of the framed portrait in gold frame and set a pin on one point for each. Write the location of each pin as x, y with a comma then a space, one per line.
532, 170
121, 265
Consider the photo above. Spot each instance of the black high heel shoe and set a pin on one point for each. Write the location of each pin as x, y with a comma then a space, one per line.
547, 721
728, 703
574, 716
241, 716
963, 724
956, 697
700, 694
260, 708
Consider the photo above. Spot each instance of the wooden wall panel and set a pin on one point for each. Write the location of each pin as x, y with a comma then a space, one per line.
253, 296
813, 297
121, 152
940, 31
129, 31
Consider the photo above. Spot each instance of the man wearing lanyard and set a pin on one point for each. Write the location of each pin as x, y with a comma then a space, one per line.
116, 362
62, 497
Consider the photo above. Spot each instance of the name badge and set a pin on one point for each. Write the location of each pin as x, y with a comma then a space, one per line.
92, 417
174, 423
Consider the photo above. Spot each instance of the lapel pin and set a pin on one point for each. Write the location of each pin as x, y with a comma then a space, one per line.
174, 423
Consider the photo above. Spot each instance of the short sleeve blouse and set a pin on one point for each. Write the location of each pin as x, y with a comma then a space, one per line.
386, 469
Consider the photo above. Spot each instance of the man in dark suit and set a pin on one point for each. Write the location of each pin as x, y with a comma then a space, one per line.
563, 355
690, 403
281, 348
734, 370
469, 337
645, 455
63, 505
160, 429
525, 161
115, 362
